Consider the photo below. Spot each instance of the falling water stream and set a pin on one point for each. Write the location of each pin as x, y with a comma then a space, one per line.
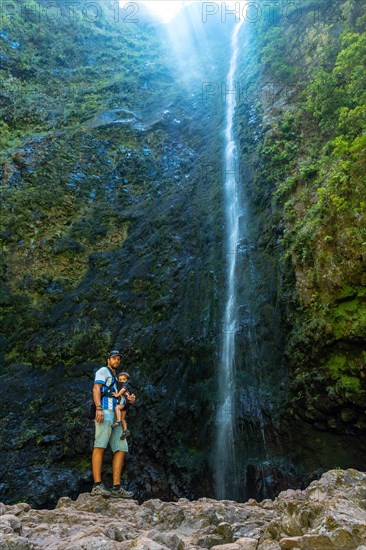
225, 470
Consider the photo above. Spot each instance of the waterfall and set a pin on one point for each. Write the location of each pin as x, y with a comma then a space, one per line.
225, 469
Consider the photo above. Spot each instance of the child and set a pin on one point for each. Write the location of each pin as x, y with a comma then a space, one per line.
123, 404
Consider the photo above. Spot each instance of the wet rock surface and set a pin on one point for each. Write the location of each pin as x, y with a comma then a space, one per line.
329, 514
113, 239
112, 236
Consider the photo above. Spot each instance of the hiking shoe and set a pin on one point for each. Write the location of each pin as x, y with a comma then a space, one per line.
101, 490
125, 434
121, 493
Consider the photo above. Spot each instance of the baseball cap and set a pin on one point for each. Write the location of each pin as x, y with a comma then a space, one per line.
114, 353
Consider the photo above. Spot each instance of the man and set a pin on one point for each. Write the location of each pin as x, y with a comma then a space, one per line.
104, 385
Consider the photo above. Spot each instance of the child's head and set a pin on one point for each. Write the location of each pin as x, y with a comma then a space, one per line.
123, 377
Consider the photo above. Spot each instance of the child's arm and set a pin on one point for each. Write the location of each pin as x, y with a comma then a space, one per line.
121, 392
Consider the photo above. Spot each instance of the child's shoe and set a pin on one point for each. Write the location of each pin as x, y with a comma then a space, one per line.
115, 424
125, 434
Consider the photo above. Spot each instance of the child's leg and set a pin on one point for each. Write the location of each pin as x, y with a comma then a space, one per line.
126, 432
117, 412
123, 420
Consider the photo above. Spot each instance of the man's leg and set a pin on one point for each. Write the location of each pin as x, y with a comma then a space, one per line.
118, 491
119, 449
117, 465
97, 463
103, 433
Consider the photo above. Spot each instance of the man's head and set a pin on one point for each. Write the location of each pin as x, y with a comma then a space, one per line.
114, 358
123, 377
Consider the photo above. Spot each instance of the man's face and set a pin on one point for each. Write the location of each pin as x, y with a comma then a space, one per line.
114, 361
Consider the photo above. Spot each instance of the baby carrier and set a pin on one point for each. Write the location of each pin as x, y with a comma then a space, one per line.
90, 409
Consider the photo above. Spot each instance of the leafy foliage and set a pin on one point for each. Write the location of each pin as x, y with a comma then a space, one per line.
314, 153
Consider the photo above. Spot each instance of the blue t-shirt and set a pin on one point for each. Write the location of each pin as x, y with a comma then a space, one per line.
104, 376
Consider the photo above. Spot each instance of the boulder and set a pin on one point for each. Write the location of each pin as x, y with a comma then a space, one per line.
329, 515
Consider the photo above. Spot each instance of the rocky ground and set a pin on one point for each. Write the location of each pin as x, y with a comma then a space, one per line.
329, 514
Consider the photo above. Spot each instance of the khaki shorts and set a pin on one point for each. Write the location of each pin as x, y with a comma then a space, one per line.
104, 434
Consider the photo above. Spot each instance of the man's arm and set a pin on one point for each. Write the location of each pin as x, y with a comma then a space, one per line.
97, 396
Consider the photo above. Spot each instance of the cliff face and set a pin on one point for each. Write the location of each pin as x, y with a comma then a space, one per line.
301, 127
112, 236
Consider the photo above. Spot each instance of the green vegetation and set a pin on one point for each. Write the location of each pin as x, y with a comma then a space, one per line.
107, 221
64, 80
111, 226
313, 155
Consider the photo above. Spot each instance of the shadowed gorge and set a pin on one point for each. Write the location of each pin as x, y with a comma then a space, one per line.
114, 234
